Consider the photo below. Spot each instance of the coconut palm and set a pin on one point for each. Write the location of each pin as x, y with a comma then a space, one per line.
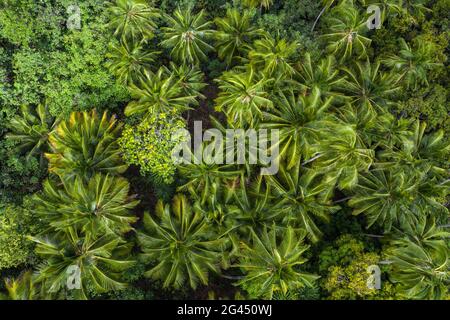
98, 206
258, 3
202, 176
21, 288
421, 272
156, 93
413, 63
31, 130
326, 5
235, 34
253, 207
300, 119
385, 130
187, 36
368, 88
345, 34
341, 155
425, 231
413, 9
273, 56
395, 197
271, 261
323, 75
100, 261
180, 244
303, 197
216, 206
133, 19
189, 78
128, 61
242, 97
85, 144
420, 151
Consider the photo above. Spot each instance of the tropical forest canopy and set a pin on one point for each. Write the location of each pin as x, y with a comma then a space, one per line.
92, 92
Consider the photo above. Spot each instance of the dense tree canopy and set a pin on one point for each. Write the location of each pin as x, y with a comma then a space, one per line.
95, 98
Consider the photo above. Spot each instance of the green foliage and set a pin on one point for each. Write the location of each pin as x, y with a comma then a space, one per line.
345, 32
133, 19
15, 224
102, 205
422, 272
270, 262
21, 288
413, 63
128, 61
149, 144
187, 36
100, 261
429, 104
235, 34
273, 56
345, 264
180, 244
243, 97
394, 197
158, 92
368, 88
364, 143
299, 119
51, 62
303, 196
32, 130
18, 176
85, 144
189, 78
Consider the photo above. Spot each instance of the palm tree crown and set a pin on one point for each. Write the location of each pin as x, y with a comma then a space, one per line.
85, 144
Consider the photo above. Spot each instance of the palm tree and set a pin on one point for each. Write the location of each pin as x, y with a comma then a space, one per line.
31, 130
85, 144
21, 288
368, 88
253, 207
326, 5
413, 9
189, 78
323, 76
341, 155
303, 197
202, 176
216, 206
242, 97
186, 36
133, 19
395, 197
273, 56
421, 272
346, 31
128, 61
100, 261
181, 245
420, 151
258, 3
300, 119
156, 93
235, 34
383, 131
98, 206
424, 231
413, 63
270, 263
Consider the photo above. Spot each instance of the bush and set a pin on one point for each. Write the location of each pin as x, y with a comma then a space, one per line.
16, 224
149, 145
